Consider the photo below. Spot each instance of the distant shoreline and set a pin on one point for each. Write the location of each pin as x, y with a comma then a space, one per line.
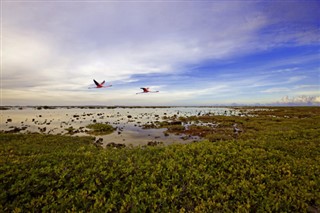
39, 107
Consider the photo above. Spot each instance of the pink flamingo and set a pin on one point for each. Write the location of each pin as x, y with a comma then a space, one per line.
146, 90
98, 86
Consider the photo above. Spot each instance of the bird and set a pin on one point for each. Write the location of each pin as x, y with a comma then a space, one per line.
101, 85
146, 90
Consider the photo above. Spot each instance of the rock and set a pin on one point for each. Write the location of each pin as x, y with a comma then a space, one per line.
14, 130
175, 123
153, 143
99, 141
116, 145
42, 129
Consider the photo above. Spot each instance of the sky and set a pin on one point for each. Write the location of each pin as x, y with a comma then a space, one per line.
194, 52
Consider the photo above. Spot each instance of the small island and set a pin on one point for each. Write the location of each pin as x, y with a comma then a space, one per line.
100, 129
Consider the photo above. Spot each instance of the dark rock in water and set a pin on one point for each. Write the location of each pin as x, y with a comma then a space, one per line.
4, 108
175, 123
14, 130
153, 143
129, 116
9, 120
185, 137
42, 129
94, 121
24, 128
116, 145
99, 141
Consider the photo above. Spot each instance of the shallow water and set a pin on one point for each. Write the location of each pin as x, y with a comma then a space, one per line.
128, 121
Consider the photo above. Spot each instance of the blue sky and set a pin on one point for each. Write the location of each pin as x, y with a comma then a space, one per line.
193, 52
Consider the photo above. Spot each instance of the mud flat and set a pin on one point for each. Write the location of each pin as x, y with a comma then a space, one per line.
129, 122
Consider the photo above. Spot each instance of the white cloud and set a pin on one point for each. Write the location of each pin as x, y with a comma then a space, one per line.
308, 86
303, 99
286, 70
276, 90
55, 49
60, 41
294, 79
290, 23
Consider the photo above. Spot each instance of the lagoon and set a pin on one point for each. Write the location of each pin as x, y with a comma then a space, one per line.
128, 121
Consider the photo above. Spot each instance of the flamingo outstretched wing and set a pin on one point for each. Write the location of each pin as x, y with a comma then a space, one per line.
145, 89
101, 85
97, 84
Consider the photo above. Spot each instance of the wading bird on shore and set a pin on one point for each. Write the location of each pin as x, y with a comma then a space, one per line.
146, 90
101, 85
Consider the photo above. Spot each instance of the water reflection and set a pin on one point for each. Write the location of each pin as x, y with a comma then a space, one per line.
127, 121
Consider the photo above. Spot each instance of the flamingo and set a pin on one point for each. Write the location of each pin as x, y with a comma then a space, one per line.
146, 90
98, 86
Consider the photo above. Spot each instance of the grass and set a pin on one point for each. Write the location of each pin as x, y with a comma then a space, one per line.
261, 123
100, 129
272, 166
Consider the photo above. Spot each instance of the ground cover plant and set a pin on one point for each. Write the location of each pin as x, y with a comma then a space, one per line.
271, 165
100, 129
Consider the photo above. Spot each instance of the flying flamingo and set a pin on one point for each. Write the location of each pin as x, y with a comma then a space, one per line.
146, 90
98, 86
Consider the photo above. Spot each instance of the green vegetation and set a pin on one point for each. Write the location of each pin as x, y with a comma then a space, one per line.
259, 123
100, 129
271, 166
70, 130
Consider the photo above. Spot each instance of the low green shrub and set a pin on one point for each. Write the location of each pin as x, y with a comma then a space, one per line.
273, 167
59, 173
100, 129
